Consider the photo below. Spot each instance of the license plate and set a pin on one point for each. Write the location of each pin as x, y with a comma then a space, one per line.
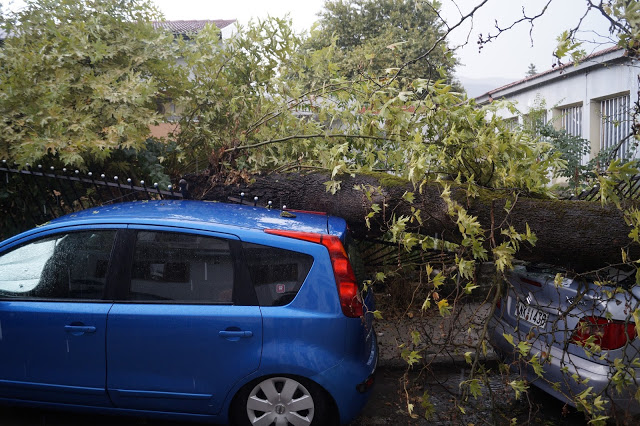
532, 315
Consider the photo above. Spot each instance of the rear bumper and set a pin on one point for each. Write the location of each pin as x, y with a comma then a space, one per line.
344, 382
559, 367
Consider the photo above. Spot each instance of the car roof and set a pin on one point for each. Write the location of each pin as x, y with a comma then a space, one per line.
204, 214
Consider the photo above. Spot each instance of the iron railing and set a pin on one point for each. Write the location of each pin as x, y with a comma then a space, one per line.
628, 190
30, 196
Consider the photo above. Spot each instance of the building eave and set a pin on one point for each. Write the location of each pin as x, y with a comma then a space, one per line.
605, 57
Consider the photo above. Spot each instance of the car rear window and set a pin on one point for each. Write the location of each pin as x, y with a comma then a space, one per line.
277, 274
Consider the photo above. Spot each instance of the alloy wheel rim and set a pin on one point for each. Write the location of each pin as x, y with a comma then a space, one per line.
280, 401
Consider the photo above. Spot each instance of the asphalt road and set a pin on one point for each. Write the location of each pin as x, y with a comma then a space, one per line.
387, 406
388, 403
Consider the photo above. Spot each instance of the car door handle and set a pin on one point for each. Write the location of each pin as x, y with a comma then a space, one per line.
80, 328
234, 333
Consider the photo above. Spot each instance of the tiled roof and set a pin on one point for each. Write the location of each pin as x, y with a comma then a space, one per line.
552, 70
193, 26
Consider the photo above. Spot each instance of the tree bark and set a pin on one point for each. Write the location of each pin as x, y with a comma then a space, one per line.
577, 235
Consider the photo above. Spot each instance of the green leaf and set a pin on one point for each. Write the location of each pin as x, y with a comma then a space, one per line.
467, 357
523, 347
427, 405
415, 337
444, 308
508, 338
411, 357
519, 386
474, 388
409, 197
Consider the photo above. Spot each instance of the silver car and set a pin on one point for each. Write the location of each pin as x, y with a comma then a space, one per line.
574, 338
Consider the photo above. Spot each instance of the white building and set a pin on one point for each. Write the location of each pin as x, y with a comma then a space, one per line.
593, 99
186, 28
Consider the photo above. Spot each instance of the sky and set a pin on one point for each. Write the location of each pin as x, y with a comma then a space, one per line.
508, 57
505, 59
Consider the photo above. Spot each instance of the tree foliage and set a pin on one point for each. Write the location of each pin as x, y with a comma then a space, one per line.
531, 71
375, 37
80, 82
233, 95
79, 79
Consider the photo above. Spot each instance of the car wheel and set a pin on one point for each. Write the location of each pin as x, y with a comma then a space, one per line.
280, 401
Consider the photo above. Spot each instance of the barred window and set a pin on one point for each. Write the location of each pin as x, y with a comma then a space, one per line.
512, 123
535, 121
615, 125
572, 120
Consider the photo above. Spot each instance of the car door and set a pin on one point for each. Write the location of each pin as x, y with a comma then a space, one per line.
187, 328
53, 317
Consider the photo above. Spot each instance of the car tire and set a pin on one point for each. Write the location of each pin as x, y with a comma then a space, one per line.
280, 399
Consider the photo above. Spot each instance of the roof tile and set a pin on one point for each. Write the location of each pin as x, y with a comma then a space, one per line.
192, 26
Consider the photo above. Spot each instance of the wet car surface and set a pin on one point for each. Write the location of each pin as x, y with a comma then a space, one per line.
187, 310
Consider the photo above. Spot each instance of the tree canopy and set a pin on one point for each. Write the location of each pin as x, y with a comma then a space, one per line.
532, 70
82, 80
79, 79
366, 102
375, 38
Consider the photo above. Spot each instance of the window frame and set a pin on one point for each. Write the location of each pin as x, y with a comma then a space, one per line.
570, 118
32, 238
243, 292
254, 282
615, 125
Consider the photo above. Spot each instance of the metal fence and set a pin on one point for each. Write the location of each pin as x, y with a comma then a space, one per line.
31, 196
625, 190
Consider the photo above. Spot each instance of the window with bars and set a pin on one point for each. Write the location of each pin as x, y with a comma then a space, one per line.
512, 123
615, 126
535, 121
571, 120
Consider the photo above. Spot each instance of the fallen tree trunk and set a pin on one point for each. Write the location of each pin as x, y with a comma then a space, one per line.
577, 235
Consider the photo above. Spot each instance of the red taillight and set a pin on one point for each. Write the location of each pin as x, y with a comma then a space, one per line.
306, 211
531, 282
609, 334
345, 278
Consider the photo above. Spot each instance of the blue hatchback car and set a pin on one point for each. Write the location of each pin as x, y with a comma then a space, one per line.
190, 310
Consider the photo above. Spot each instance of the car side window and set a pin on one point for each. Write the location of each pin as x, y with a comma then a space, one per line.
181, 267
62, 266
277, 274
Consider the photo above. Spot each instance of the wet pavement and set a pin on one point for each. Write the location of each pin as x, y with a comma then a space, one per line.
396, 388
387, 406
442, 344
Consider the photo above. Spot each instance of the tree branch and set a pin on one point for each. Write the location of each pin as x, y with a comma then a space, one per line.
437, 42
614, 23
287, 138
524, 18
